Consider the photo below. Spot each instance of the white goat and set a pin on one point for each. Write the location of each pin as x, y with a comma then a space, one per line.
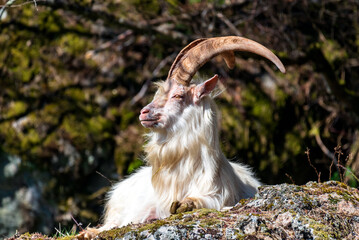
186, 167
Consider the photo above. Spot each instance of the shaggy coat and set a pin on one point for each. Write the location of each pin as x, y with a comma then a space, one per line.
184, 162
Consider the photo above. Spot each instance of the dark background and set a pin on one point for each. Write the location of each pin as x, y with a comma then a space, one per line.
75, 74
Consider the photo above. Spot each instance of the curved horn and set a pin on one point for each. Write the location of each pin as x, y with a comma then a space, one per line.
200, 51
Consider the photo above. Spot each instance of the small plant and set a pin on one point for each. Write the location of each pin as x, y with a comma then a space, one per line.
307, 152
343, 174
63, 232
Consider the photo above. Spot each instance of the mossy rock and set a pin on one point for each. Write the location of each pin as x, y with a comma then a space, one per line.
328, 210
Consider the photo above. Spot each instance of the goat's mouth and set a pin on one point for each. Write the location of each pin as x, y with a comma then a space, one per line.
149, 122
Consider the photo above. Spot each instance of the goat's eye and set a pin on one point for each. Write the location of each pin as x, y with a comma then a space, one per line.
177, 96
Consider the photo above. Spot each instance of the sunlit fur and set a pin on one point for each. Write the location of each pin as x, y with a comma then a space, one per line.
184, 161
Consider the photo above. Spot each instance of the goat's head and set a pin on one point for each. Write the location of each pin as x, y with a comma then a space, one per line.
176, 93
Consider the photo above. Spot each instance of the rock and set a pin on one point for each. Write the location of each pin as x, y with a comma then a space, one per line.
327, 210
21, 201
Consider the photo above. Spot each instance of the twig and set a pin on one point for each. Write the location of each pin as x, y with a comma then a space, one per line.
338, 150
229, 24
24, 3
142, 92
324, 149
155, 73
59, 232
307, 152
330, 168
346, 169
108, 44
111, 182
35, 5
329, 154
7, 4
290, 177
77, 224
162, 64
10, 4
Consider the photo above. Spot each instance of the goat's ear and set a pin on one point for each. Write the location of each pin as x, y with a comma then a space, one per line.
204, 89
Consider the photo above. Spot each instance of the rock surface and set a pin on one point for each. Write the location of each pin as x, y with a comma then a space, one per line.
327, 210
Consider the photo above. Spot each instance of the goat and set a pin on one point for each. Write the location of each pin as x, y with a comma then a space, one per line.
186, 167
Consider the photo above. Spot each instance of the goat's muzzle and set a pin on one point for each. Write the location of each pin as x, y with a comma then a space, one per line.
147, 119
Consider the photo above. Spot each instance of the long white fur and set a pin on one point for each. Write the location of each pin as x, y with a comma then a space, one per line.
184, 160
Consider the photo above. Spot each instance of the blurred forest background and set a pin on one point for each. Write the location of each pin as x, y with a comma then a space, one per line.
75, 74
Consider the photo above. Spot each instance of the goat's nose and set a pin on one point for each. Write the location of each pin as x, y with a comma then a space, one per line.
145, 110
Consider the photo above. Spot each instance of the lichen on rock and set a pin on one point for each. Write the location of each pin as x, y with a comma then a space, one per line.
328, 210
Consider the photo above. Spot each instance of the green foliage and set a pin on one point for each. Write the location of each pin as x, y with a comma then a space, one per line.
348, 174
333, 52
51, 21
73, 44
16, 108
64, 233
293, 143
134, 165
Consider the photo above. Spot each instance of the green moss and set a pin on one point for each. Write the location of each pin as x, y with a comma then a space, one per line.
262, 110
50, 113
293, 143
115, 233
21, 62
243, 201
66, 238
333, 51
174, 217
127, 117
150, 9
342, 185
333, 200
269, 206
202, 212
30, 139
237, 127
76, 128
280, 97
35, 236
27, 234
11, 137
341, 189
282, 54
16, 108
152, 227
260, 106
73, 44
320, 231
114, 112
76, 94
100, 125
209, 222
50, 21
